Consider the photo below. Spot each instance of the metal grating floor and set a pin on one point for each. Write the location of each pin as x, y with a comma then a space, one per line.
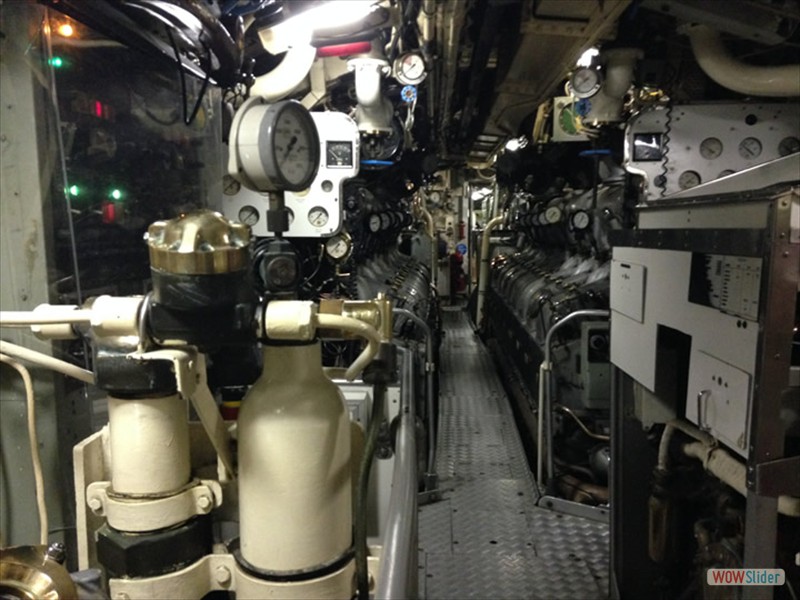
487, 538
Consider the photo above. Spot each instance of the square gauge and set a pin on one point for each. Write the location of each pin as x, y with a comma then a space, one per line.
339, 154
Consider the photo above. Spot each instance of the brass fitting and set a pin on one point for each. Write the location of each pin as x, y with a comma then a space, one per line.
377, 313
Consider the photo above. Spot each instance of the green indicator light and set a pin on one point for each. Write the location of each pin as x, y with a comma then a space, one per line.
74, 190
56, 62
116, 194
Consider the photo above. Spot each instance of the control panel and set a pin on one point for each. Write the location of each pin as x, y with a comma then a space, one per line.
317, 210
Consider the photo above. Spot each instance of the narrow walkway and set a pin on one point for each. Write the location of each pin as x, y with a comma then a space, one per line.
486, 538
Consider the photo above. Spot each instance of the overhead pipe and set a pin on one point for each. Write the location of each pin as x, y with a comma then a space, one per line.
719, 65
289, 74
483, 277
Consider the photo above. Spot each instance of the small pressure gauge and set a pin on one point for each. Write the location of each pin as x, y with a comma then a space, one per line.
409, 68
710, 148
374, 223
552, 215
318, 216
788, 145
750, 148
585, 82
688, 179
339, 247
248, 215
580, 220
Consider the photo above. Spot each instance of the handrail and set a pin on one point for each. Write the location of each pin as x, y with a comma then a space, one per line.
430, 367
398, 571
545, 403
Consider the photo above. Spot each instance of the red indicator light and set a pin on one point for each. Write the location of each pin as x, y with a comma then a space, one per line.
98, 109
109, 212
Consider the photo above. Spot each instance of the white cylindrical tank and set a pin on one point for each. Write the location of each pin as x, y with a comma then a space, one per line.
295, 497
149, 445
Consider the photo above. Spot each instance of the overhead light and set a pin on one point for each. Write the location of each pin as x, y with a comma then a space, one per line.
515, 144
586, 58
333, 14
65, 30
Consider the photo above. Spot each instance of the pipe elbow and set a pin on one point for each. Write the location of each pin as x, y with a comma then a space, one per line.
712, 56
289, 74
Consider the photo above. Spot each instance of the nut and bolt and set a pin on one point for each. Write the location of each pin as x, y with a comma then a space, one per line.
57, 552
95, 504
204, 502
222, 575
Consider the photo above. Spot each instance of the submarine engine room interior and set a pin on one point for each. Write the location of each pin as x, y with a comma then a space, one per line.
400, 299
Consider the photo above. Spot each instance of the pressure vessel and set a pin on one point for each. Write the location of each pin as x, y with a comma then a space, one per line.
295, 498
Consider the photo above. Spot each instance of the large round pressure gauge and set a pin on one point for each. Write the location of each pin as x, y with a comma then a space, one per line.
276, 146
585, 82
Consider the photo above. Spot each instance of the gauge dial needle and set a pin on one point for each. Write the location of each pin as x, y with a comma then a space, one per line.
289, 148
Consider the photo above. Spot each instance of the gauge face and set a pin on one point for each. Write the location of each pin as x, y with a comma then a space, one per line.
552, 215
318, 216
434, 197
339, 246
409, 68
295, 145
788, 145
338, 154
688, 179
374, 223
230, 187
585, 82
580, 220
386, 220
248, 215
710, 148
749, 148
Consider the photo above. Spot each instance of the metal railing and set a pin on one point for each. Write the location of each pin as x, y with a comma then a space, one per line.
398, 566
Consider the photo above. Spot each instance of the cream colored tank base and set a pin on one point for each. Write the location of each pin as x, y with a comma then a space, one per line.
335, 585
222, 572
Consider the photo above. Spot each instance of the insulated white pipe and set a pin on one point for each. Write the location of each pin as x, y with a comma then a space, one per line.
56, 315
483, 277
374, 112
149, 445
713, 58
295, 493
732, 472
284, 78
358, 328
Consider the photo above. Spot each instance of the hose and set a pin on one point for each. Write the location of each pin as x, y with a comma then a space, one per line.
38, 479
49, 362
356, 327
360, 504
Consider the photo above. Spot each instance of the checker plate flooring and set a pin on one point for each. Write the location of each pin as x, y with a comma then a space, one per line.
486, 538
